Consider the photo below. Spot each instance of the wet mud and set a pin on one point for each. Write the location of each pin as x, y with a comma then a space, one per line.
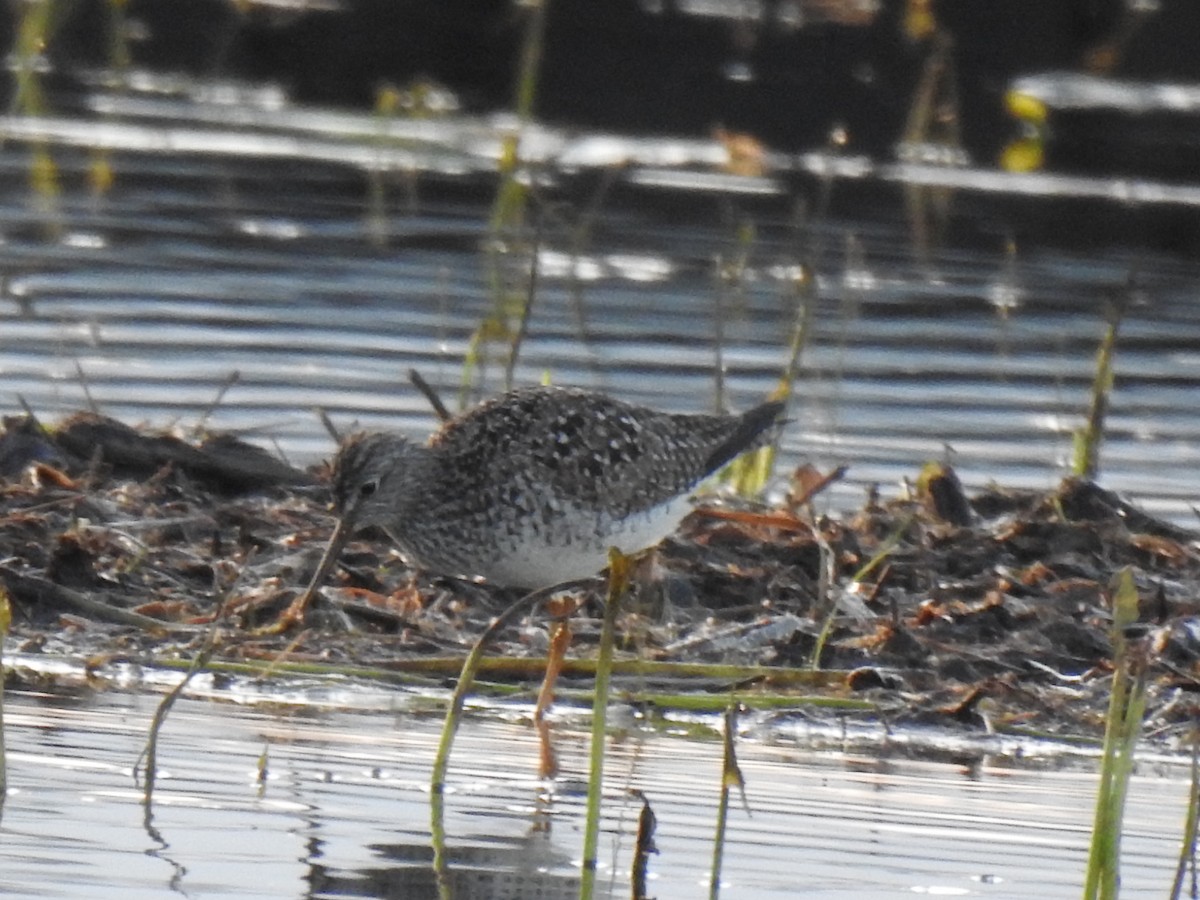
983, 613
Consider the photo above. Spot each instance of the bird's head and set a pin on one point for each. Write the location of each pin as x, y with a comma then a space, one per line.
377, 476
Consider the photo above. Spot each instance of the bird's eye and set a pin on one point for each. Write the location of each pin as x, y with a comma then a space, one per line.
367, 488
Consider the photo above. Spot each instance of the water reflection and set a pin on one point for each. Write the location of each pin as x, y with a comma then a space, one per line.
344, 811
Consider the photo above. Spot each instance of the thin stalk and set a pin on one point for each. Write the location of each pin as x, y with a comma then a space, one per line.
120, 59
427, 391
719, 336
933, 118
643, 847
849, 308
514, 348
731, 777
750, 473
429, 670
825, 586
454, 712
387, 104
1187, 850
32, 34
531, 59
714, 882
829, 578
205, 414
885, 549
1127, 705
805, 297
5, 621
580, 238
731, 278
39, 20
150, 751
618, 582
208, 648
508, 209
1086, 461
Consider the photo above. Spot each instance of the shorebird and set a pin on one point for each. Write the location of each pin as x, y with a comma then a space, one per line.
533, 487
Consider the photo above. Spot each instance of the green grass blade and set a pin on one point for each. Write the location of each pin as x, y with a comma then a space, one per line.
5, 621
1127, 704
618, 583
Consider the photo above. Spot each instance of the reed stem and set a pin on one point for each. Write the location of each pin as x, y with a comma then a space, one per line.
618, 582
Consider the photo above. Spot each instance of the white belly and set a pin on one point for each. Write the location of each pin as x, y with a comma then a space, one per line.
580, 549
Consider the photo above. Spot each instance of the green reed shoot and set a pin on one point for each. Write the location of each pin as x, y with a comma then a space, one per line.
730, 283
508, 208
825, 607
643, 847
38, 20
731, 777
933, 118
580, 238
804, 296
119, 56
212, 642
514, 347
5, 621
387, 106
1127, 705
750, 473
1191, 826
150, 750
1086, 458
454, 714
619, 568
120, 59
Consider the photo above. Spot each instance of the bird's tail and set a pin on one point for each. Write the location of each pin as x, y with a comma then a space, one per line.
755, 428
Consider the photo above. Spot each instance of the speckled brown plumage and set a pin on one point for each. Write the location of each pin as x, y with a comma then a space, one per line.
534, 486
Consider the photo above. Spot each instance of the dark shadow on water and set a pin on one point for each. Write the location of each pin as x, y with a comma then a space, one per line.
492, 872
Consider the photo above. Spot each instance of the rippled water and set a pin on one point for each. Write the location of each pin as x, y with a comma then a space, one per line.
343, 812
243, 240
250, 249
